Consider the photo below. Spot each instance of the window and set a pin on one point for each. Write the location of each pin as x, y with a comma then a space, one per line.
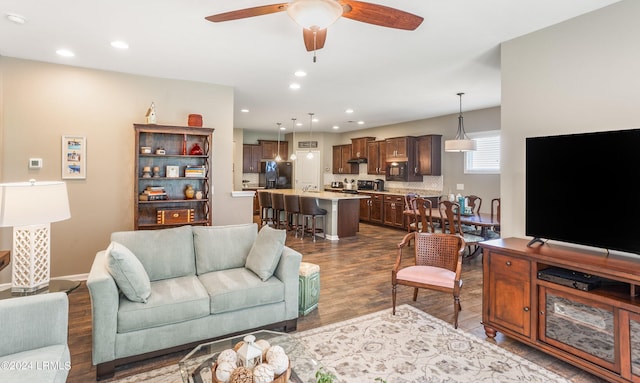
486, 159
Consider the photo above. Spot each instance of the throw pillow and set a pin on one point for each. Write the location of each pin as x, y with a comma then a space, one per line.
265, 253
128, 272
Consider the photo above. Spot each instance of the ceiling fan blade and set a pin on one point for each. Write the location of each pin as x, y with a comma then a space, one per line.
248, 12
380, 15
320, 37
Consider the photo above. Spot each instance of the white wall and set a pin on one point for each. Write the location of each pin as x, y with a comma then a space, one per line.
41, 102
578, 76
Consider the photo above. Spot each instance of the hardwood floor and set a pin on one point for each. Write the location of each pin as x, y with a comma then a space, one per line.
355, 277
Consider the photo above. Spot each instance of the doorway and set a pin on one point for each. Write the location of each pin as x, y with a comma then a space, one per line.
307, 171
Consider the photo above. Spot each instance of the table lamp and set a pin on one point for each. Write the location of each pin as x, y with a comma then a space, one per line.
30, 207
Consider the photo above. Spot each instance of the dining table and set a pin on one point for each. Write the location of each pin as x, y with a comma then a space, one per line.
483, 220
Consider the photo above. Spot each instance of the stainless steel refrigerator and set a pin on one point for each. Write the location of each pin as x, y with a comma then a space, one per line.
275, 175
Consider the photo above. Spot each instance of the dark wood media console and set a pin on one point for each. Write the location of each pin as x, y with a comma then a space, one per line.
597, 330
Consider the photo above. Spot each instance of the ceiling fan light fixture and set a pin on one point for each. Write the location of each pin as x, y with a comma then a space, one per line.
314, 14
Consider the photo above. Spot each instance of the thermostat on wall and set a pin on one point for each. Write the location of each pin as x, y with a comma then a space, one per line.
35, 163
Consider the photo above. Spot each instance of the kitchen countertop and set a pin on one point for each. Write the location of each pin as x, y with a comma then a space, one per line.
324, 195
422, 193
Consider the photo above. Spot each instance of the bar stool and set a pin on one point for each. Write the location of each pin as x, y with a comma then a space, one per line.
264, 199
277, 204
310, 210
292, 211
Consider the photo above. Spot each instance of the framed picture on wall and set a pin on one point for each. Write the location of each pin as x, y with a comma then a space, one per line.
74, 157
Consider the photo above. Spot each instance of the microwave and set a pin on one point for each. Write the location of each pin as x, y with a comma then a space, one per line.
397, 171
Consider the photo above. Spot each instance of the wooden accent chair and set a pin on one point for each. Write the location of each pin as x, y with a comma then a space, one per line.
451, 224
438, 266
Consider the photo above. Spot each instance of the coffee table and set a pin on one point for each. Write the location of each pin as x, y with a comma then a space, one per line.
195, 367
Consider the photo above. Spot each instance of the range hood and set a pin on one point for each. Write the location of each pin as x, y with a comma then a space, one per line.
357, 160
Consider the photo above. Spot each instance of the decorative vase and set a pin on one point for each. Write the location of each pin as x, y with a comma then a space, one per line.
195, 120
189, 192
196, 150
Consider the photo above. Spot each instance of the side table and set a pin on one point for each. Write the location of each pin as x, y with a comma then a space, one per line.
55, 285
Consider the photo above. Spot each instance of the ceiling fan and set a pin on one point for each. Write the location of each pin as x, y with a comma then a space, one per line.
316, 15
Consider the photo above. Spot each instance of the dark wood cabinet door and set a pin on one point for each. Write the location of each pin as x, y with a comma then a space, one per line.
269, 149
359, 146
365, 210
508, 284
377, 157
393, 210
429, 155
377, 208
251, 155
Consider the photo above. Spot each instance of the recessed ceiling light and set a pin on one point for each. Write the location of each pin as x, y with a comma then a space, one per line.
315, 119
360, 122
65, 53
336, 127
294, 86
283, 128
244, 110
15, 18
349, 111
300, 73
298, 123
120, 44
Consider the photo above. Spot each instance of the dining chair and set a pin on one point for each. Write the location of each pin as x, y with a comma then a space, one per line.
475, 203
494, 231
451, 224
410, 212
437, 266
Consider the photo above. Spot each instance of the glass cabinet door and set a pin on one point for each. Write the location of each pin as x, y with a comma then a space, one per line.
578, 326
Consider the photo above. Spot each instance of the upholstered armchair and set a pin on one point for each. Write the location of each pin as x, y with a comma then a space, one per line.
33, 338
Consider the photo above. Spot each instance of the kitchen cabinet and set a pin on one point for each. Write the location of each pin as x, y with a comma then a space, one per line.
394, 210
342, 154
251, 156
371, 210
400, 148
159, 199
270, 149
428, 155
359, 146
376, 157
594, 329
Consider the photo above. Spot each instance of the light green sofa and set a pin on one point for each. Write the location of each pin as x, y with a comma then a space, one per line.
33, 339
200, 289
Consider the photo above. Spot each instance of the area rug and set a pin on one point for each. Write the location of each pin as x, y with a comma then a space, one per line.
411, 346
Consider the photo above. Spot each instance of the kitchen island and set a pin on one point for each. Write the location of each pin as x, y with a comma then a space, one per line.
343, 210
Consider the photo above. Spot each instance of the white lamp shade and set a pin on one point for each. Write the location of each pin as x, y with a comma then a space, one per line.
314, 14
33, 203
459, 145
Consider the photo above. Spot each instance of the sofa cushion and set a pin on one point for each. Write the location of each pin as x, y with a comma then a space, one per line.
222, 247
266, 251
165, 253
171, 301
240, 288
128, 272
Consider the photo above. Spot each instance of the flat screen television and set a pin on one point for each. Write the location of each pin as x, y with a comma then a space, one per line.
580, 189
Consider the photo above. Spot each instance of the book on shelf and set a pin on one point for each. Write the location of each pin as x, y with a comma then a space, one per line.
194, 171
153, 197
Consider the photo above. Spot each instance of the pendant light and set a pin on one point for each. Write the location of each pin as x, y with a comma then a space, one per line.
310, 155
293, 131
462, 143
278, 158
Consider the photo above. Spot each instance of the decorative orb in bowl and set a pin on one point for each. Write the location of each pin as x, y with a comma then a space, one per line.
282, 378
